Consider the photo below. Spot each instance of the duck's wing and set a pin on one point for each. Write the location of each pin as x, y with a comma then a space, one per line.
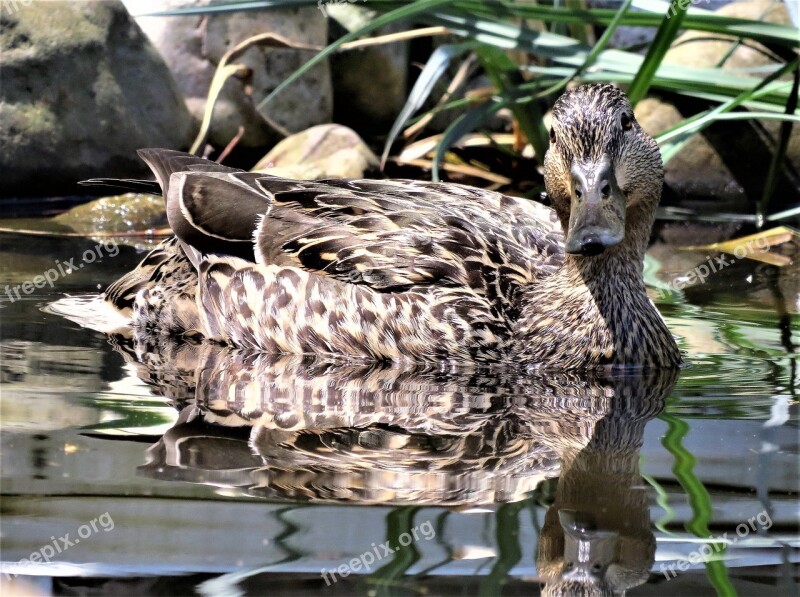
390, 235
393, 235
217, 211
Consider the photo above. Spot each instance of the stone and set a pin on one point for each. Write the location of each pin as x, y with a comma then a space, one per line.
698, 49
369, 84
193, 46
627, 36
324, 151
129, 212
82, 89
728, 160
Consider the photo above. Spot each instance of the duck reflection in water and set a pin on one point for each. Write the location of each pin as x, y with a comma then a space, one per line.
306, 430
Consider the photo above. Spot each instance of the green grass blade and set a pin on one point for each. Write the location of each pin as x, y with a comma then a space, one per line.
617, 64
228, 7
666, 34
699, 498
505, 75
787, 117
651, 15
593, 54
460, 127
384, 581
509, 550
780, 151
601, 44
690, 126
662, 499
578, 30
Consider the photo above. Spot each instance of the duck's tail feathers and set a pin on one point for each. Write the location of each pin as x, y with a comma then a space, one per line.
128, 185
165, 162
93, 312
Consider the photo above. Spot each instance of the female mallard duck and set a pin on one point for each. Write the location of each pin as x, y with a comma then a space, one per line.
406, 270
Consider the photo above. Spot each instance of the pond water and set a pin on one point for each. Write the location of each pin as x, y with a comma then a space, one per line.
160, 469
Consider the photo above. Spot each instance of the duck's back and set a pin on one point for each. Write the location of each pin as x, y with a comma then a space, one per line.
395, 235
389, 269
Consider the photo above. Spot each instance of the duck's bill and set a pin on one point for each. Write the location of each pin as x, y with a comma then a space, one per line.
588, 550
597, 214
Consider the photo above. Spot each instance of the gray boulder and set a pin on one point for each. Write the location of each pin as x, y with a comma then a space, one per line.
369, 84
81, 89
728, 161
193, 46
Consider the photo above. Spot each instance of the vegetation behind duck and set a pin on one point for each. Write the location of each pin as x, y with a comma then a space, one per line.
408, 270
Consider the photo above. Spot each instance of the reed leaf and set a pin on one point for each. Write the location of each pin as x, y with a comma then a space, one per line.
666, 34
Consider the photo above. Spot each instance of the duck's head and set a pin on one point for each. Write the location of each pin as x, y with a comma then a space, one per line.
602, 171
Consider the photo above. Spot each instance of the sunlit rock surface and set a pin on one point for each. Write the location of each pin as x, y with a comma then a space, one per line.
324, 151
128, 212
728, 162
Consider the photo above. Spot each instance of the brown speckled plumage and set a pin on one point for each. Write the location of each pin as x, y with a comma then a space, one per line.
405, 270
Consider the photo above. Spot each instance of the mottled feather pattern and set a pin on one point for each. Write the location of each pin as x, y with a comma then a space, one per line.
380, 269
393, 235
279, 309
160, 292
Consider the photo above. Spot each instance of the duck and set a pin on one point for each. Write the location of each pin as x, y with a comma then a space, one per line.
416, 271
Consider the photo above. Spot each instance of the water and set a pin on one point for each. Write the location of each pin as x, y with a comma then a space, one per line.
180, 469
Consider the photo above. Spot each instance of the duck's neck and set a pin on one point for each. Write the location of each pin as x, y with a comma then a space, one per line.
595, 311
617, 270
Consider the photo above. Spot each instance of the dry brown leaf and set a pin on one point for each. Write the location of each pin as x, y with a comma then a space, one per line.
756, 246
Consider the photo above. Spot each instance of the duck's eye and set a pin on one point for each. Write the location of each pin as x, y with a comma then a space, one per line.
626, 122
552, 135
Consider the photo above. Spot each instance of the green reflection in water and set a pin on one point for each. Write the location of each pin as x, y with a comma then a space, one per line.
699, 499
387, 578
509, 550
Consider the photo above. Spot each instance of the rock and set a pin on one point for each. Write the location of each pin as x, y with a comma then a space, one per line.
697, 171
369, 84
194, 45
729, 160
82, 89
324, 151
694, 48
627, 36
129, 212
